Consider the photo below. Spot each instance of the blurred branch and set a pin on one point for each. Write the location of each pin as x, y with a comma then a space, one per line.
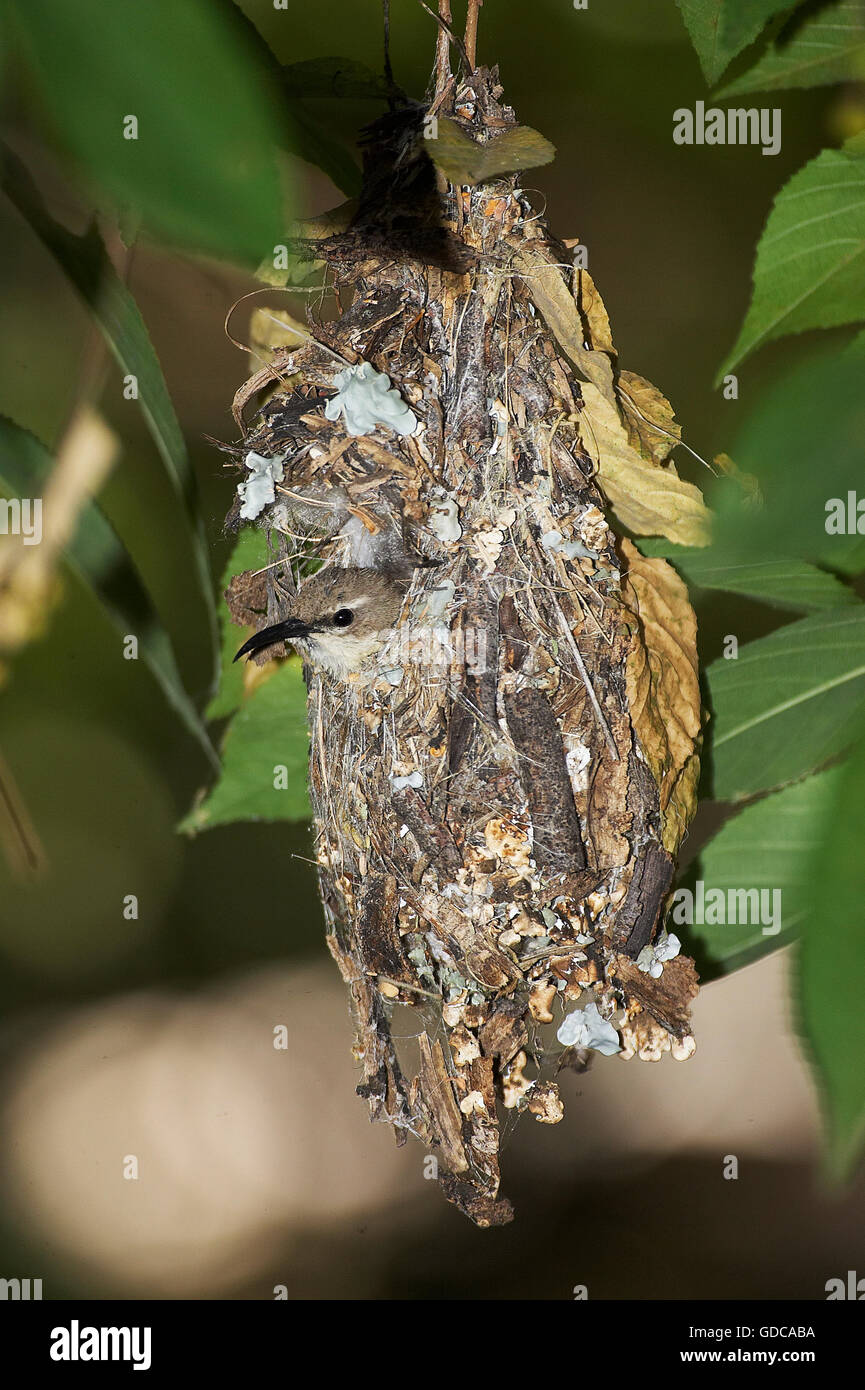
97, 554
86, 455
86, 263
22, 847
28, 587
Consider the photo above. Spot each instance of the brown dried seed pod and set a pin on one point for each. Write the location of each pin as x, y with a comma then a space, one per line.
499, 792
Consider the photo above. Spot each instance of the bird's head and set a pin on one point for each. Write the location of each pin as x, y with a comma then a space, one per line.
340, 618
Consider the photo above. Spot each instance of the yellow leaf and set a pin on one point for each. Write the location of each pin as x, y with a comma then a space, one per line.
547, 288
649, 500
663, 687
649, 417
595, 317
463, 160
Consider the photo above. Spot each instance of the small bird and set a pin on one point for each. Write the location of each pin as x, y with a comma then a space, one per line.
341, 617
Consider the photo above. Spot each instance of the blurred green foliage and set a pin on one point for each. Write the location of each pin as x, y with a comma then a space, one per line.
788, 703
831, 952
164, 113
769, 847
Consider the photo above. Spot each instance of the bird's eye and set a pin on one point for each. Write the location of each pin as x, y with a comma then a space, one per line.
343, 617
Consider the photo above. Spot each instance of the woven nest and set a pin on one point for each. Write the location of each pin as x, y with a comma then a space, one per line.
496, 811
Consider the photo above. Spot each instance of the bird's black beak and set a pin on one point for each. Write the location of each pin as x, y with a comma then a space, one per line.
287, 631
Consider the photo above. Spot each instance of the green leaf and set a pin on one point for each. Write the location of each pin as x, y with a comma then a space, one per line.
783, 583
267, 734
328, 78
85, 262
465, 161
767, 847
828, 47
743, 20
830, 982
99, 557
312, 142
250, 553
788, 703
803, 441
720, 29
202, 170
333, 77
810, 266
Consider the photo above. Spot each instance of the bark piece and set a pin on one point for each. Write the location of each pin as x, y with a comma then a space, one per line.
558, 841
640, 913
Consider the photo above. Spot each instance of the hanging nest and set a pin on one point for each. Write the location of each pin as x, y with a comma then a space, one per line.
500, 797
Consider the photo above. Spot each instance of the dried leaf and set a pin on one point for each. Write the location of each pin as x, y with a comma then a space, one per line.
272, 330
746, 481
464, 161
649, 418
647, 499
595, 317
663, 687
551, 295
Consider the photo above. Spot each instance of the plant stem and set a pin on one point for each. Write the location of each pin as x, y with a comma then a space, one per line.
443, 66
472, 31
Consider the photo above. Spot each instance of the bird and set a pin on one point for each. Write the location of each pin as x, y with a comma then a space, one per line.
341, 617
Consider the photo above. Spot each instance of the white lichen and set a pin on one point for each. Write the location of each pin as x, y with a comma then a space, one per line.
366, 398
259, 489
574, 550
414, 779
586, 1028
651, 959
444, 517
394, 675
433, 605
499, 421
578, 760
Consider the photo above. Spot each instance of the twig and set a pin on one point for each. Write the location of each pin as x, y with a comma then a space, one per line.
586, 679
472, 31
454, 38
388, 70
23, 848
443, 66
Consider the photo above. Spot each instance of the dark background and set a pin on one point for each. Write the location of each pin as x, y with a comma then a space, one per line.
154, 1037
